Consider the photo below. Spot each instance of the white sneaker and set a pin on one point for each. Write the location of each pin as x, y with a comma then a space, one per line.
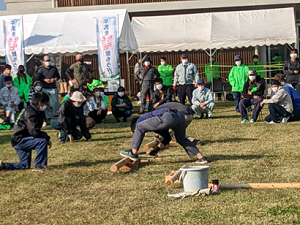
44, 124
285, 119
272, 122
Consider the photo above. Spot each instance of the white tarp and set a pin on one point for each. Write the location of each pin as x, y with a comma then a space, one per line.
70, 32
215, 30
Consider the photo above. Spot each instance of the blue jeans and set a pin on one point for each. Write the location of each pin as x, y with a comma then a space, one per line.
237, 97
118, 113
77, 135
24, 148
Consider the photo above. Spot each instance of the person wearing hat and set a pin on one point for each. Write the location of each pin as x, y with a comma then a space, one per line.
70, 115
253, 93
161, 95
27, 136
257, 66
10, 99
280, 104
160, 121
48, 76
148, 75
185, 78
203, 100
237, 77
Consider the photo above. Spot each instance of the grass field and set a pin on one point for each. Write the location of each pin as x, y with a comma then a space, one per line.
79, 188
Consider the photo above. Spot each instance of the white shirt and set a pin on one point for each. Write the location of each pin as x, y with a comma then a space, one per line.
8, 96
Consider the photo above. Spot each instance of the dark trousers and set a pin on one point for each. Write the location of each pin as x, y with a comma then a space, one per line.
161, 126
185, 90
77, 135
118, 113
24, 149
98, 118
296, 86
246, 103
147, 89
237, 97
277, 112
295, 115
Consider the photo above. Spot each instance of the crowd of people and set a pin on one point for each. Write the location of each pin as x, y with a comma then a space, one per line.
86, 105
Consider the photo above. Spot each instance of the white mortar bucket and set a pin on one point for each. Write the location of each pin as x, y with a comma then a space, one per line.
194, 177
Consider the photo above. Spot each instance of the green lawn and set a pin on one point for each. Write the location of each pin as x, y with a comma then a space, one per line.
79, 188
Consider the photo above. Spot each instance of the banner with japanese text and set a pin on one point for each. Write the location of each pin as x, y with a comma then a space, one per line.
13, 43
108, 48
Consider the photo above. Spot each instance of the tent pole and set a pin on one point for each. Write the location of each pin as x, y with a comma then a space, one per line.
211, 72
128, 73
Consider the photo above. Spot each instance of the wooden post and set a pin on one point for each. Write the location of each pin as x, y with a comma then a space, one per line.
174, 177
150, 145
260, 186
119, 164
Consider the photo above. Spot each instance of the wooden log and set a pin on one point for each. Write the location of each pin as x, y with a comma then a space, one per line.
260, 186
132, 164
150, 145
119, 164
174, 177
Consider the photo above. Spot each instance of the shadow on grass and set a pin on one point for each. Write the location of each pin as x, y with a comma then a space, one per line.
5, 138
214, 158
83, 163
230, 140
228, 117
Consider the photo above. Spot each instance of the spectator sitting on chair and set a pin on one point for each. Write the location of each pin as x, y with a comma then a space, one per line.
294, 95
121, 105
203, 100
161, 95
253, 92
280, 104
27, 136
100, 111
70, 115
10, 99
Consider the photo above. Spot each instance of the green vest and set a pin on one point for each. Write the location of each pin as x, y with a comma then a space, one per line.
215, 71
166, 74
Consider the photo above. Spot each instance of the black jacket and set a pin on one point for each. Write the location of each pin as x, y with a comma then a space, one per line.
67, 109
156, 96
147, 75
249, 85
28, 124
288, 70
117, 100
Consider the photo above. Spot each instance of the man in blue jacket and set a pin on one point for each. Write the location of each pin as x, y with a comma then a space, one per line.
160, 121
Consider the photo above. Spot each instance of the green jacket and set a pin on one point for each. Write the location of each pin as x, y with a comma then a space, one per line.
237, 77
166, 74
258, 67
106, 100
215, 69
23, 88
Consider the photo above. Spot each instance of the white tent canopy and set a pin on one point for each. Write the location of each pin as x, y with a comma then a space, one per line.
70, 32
215, 30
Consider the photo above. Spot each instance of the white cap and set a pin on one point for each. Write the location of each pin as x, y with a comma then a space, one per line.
77, 96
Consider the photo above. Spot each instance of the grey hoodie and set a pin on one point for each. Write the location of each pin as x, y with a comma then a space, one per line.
281, 97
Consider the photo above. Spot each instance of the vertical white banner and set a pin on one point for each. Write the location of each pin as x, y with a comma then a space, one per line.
13, 43
108, 48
